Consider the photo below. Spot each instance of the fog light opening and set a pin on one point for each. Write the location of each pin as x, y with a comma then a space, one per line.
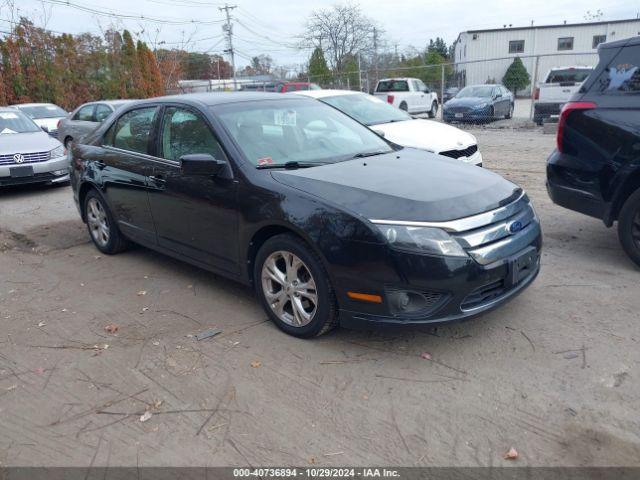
410, 302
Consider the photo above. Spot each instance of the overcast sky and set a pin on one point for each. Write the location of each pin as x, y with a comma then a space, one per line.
271, 26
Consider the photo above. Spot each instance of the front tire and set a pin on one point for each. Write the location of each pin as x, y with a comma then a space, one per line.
629, 227
510, 114
103, 229
294, 287
434, 110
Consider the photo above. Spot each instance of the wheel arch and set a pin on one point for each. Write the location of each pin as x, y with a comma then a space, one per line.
264, 233
84, 189
630, 185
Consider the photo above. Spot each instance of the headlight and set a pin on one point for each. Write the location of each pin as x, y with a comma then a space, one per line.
422, 240
58, 152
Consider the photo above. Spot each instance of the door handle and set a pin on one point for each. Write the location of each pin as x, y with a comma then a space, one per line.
157, 179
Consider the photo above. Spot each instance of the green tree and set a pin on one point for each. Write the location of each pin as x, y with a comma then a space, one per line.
438, 46
516, 78
132, 77
318, 70
350, 70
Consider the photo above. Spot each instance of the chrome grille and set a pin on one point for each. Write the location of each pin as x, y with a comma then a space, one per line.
465, 152
28, 158
495, 240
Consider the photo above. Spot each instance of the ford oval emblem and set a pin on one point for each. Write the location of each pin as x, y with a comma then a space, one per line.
515, 227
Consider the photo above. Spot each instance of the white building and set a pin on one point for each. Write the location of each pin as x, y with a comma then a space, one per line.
483, 56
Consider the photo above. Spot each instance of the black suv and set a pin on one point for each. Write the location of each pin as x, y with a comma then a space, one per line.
595, 168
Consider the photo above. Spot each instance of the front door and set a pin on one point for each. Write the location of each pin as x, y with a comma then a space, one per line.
124, 171
194, 215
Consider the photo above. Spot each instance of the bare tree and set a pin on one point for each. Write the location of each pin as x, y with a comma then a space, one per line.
342, 31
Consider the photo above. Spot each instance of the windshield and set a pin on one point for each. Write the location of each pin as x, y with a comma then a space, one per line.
305, 131
569, 75
392, 86
16, 122
482, 91
366, 108
43, 111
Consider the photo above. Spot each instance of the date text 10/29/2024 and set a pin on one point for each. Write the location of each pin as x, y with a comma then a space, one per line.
316, 472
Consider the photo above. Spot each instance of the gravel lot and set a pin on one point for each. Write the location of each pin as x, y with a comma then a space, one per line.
553, 374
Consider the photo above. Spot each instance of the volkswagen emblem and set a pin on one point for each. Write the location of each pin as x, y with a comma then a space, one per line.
515, 227
18, 158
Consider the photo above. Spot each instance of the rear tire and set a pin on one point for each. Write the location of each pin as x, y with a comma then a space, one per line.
629, 227
434, 110
103, 229
294, 287
403, 106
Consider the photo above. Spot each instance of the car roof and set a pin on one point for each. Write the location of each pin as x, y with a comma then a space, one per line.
324, 93
18, 105
625, 42
8, 108
218, 98
397, 78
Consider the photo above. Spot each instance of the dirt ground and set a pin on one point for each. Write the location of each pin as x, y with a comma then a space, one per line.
553, 374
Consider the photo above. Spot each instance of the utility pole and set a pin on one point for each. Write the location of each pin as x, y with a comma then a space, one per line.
375, 52
228, 28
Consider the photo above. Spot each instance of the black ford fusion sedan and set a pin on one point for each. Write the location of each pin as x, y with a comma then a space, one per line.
329, 222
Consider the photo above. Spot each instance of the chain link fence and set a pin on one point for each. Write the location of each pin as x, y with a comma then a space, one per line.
487, 100
465, 93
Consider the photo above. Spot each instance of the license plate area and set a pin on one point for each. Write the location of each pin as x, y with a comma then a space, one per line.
21, 172
459, 115
522, 265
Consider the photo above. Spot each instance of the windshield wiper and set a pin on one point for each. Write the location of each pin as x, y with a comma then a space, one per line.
369, 154
290, 165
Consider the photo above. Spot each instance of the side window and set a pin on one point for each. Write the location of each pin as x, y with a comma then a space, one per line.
133, 129
421, 86
102, 112
622, 76
85, 114
185, 132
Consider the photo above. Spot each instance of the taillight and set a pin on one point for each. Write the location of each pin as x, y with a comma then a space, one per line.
564, 114
536, 94
58, 124
390, 99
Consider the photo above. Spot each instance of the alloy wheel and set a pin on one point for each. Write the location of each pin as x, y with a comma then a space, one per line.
289, 288
98, 223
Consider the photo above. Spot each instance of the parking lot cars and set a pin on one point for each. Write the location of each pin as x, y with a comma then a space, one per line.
45, 115
479, 103
556, 90
408, 94
85, 119
595, 168
27, 153
449, 93
280, 87
297, 199
399, 127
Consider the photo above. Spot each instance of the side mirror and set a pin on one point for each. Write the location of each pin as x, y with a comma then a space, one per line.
201, 164
497, 95
45, 128
426, 90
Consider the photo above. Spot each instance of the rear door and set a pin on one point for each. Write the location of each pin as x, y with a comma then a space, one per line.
607, 138
195, 216
124, 169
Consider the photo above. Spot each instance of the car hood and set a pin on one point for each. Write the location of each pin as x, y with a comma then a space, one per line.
31, 142
410, 185
467, 101
426, 135
50, 123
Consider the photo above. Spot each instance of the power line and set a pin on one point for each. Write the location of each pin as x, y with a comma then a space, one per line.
103, 13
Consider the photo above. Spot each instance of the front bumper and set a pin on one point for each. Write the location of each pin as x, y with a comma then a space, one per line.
55, 170
457, 288
468, 116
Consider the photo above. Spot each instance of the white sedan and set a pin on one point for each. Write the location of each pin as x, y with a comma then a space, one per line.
399, 127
